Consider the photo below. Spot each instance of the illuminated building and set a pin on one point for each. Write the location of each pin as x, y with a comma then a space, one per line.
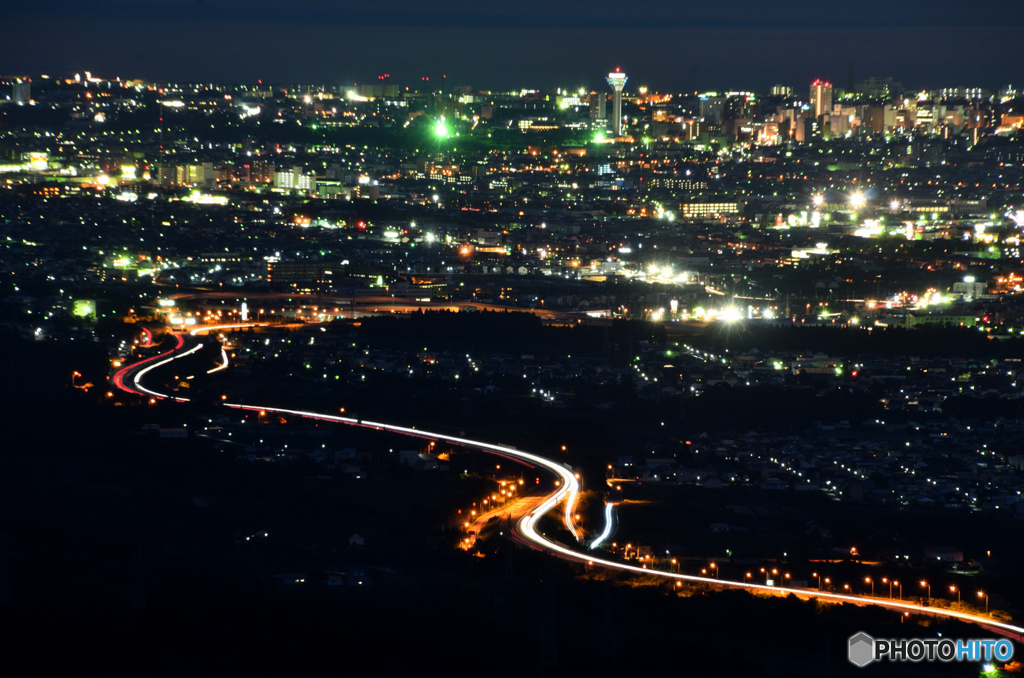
821, 97
597, 106
699, 210
21, 90
617, 81
294, 179
963, 93
739, 105
302, 276
712, 108
874, 119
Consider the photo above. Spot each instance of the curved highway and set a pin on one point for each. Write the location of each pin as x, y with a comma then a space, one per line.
566, 491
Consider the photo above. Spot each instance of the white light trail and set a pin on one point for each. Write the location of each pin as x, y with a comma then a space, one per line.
809, 593
137, 379
568, 489
223, 353
224, 363
607, 527
210, 328
568, 485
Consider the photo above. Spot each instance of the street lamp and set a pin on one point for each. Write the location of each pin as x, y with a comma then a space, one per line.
982, 594
815, 574
928, 586
900, 586
953, 588
869, 580
715, 568
889, 582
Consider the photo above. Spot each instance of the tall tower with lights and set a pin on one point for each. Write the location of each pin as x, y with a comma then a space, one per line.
821, 97
617, 81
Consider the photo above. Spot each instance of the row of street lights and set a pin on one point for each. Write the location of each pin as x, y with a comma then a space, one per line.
770, 574
892, 582
504, 494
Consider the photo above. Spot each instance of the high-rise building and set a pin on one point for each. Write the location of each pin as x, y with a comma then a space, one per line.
617, 81
597, 106
781, 91
21, 90
712, 108
821, 97
739, 105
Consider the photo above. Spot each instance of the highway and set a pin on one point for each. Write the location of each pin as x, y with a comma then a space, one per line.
565, 492
362, 305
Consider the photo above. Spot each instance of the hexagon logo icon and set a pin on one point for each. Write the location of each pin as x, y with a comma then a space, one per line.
862, 649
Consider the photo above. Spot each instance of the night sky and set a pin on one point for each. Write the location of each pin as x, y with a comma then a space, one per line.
669, 45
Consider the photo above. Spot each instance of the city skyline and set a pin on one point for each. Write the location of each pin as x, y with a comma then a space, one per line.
443, 82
